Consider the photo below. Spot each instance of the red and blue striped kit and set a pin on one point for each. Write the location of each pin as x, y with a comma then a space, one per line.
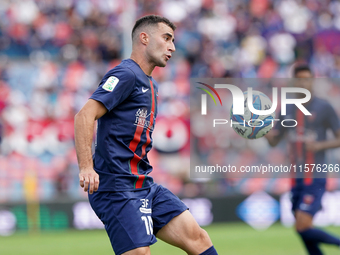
124, 133
309, 128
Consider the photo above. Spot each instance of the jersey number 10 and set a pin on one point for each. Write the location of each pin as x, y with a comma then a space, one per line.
148, 224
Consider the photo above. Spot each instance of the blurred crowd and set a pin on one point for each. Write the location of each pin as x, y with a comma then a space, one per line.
54, 53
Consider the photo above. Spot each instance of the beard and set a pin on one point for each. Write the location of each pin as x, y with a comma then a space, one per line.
157, 60
160, 61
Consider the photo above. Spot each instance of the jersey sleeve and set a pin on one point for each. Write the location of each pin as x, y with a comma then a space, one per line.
115, 87
332, 119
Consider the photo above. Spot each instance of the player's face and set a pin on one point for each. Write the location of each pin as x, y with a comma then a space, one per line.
161, 45
305, 80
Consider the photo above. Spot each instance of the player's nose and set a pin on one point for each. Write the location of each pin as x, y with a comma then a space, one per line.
172, 47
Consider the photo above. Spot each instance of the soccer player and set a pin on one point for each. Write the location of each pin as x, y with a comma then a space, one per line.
308, 144
133, 208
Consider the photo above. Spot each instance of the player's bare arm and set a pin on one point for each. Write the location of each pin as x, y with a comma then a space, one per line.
324, 145
273, 137
83, 130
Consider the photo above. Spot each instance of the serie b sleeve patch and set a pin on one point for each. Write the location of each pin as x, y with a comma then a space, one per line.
110, 83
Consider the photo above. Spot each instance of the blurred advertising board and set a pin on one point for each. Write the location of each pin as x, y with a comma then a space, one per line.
260, 210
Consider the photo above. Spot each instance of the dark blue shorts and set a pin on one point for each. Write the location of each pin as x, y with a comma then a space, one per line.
307, 198
133, 218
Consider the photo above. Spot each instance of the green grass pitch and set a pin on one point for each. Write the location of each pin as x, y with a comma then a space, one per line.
228, 238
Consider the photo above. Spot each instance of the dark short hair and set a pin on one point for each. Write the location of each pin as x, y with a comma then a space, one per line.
302, 68
151, 20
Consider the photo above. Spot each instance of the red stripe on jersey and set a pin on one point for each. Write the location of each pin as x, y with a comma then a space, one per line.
299, 133
299, 143
293, 182
140, 181
133, 146
136, 138
292, 158
148, 138
308, 180
299, 149
308, 176
134, 164
141, 178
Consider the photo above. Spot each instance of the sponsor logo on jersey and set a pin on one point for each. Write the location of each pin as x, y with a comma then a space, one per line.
141, 119
143, 208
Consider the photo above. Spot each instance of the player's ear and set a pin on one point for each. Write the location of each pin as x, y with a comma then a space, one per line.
144, 38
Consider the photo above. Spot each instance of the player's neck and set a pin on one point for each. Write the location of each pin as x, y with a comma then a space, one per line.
143, 63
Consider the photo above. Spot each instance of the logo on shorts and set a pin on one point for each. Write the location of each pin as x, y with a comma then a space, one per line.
143, 208
306, 202
308, 199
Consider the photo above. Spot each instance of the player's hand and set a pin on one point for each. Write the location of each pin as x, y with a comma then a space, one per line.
313, 146
273, 137
272, 134
89, 180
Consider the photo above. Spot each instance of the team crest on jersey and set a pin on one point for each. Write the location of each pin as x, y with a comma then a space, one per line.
110, 83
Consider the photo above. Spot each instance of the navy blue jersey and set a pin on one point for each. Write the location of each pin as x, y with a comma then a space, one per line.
124, 132
309, 128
